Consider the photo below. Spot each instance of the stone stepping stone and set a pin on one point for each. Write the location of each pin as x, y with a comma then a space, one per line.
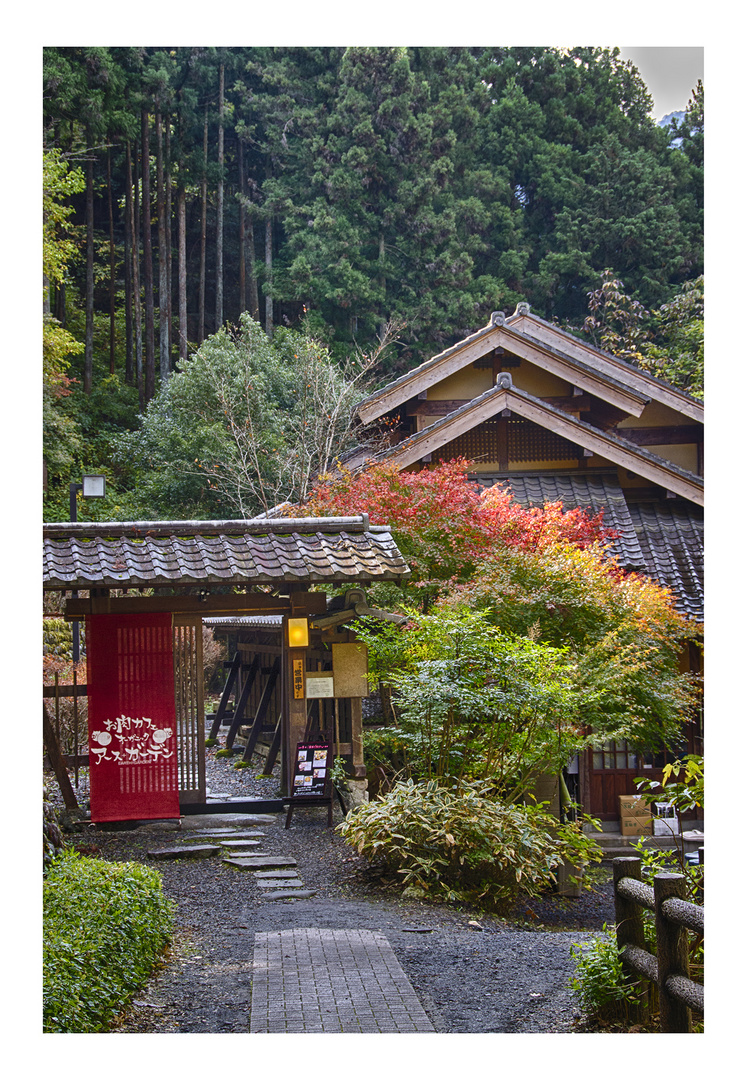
222, 834
240, 845
200, 822
277, 883
204, 834
183, 851
260, 862
288, 894
276, 874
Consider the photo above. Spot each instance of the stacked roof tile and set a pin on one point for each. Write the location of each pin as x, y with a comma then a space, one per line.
671, 538
664, 541
245, 622
145, 554
593, 493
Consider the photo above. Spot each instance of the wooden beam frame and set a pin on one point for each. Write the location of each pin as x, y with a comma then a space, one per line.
607, 445
442, 407
678, 434
211, 604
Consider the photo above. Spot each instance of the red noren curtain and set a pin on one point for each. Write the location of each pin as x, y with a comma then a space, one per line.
131, 717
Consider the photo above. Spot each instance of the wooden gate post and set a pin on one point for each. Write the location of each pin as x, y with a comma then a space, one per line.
628, 919
293, 710
672, 954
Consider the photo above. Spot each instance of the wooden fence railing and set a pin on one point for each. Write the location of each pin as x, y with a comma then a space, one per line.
679, 996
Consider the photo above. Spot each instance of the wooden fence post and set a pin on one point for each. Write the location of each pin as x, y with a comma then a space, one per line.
57, 759
672, 955
629, 920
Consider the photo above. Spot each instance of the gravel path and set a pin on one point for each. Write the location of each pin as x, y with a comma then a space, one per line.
471, 972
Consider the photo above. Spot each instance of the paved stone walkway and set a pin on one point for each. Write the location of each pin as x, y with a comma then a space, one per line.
313, 980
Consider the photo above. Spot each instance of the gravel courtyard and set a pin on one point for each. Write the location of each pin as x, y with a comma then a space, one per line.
472, 973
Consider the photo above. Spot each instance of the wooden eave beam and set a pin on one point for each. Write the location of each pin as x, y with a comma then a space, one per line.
533, 327
625, 397
442, 407
679, 434
433, 371
217, 604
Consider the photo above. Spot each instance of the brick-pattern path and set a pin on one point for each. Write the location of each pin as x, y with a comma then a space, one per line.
313, 980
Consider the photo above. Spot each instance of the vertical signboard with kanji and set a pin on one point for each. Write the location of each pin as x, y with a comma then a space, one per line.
132, 733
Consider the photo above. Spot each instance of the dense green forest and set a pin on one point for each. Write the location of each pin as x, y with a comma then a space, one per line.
239, 241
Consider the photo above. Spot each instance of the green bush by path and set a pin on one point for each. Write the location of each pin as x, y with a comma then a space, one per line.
105, 927
460, 844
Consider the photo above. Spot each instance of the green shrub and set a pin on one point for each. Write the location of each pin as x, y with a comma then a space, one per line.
105, 927
58, 638
385, 747
605, 990
460, 844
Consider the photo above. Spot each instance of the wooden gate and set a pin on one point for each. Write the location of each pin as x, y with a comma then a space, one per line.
190, 709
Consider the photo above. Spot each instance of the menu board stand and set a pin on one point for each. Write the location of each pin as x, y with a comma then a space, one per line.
312, 782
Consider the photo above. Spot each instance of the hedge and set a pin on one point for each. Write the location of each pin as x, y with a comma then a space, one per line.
105, 927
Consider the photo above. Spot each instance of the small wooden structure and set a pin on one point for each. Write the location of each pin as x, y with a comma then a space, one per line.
332, 675
261, 569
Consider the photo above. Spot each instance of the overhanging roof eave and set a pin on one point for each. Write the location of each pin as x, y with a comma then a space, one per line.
316, 551
617, 449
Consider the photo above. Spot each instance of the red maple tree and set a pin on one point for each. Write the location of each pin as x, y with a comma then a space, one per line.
444, 523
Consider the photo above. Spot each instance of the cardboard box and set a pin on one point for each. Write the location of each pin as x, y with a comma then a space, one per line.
635, 826
635, 816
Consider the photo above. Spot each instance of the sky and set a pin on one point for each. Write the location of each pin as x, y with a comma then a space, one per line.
669, 72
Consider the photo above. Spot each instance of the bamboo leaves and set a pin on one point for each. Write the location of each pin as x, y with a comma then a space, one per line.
460, 843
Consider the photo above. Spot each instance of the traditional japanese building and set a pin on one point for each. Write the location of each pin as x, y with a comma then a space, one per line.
558, 420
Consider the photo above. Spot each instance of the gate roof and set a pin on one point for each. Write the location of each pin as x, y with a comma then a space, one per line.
261, 551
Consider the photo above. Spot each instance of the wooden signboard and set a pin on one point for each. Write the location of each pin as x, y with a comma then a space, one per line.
350, 667
312, 782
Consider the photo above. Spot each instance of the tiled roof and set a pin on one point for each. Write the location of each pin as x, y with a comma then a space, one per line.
593, 493
671, 538
663, 540
292, 551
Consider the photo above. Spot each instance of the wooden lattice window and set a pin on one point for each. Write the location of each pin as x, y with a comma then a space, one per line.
480, 442
615, 754
190, 708
526, 441
530, 442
